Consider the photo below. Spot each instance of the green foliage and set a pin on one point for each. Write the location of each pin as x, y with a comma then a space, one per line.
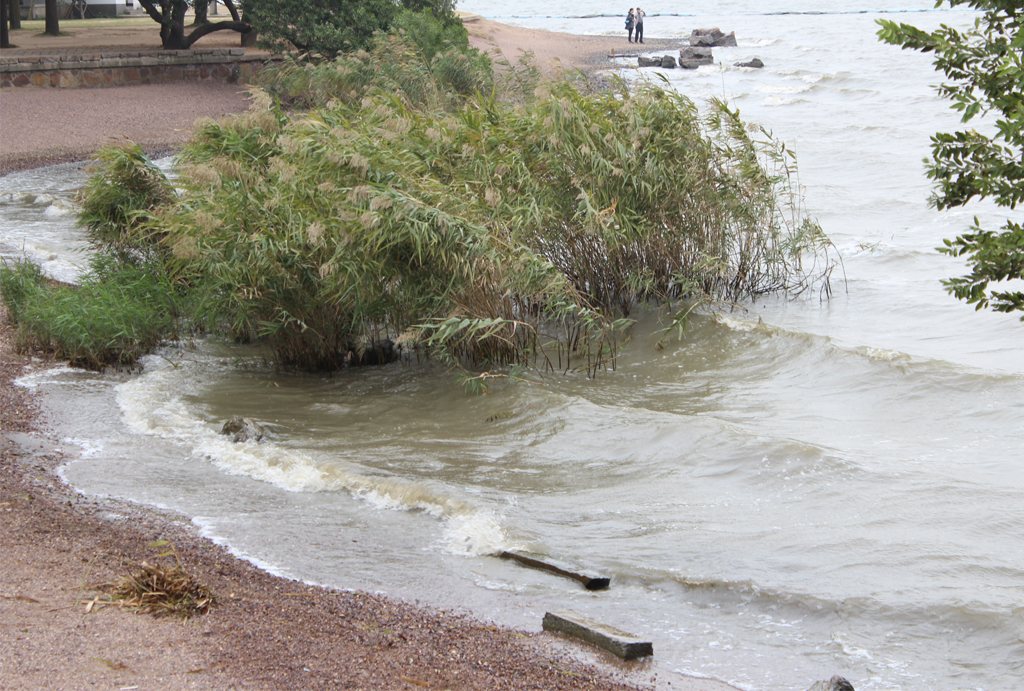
442, 9
328, 28
120, 312
325, 27
985, 76
118, 202
19, 283
433, 74
490, 234
411, 204
432, 33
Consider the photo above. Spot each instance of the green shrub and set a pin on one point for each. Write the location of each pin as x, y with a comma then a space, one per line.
118, 202
494, 234
432, 34
19, 284
120, 312
328, 28
441, 75
321, 27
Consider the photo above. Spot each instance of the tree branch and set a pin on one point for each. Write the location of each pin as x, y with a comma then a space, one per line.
152, 11
240, 27
233, 10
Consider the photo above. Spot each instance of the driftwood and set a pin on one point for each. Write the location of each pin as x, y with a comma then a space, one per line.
589, 582
617, 642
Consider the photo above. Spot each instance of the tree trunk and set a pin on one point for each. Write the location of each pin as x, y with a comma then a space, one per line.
171, 17
175, 36
248, 37
202, 10
52, 18
5, 37
14, 14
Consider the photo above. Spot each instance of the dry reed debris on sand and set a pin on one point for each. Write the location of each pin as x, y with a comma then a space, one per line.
163, 589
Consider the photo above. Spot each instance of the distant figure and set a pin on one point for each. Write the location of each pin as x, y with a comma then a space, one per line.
630, 18
638, 24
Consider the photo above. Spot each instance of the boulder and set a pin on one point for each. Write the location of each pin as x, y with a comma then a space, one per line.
836, 683
692, 58
378, 353
712, 38
648, 62
242, 429
668, 62
755, 63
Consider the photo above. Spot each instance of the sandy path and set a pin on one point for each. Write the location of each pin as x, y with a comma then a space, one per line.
50, 125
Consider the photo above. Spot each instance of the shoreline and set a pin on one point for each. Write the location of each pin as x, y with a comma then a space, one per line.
59, 545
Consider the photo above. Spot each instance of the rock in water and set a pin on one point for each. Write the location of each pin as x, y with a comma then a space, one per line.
242, 429
755, 63
836, 683
668, 62
712, 38
648, 62
692, 58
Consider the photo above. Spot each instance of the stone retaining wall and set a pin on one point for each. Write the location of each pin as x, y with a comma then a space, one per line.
118, 69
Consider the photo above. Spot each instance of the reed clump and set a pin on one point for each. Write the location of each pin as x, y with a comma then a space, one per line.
117, 203
428, 62
484, 226
496, 234
117, 314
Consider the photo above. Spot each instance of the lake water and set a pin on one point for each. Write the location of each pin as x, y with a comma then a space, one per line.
796, 489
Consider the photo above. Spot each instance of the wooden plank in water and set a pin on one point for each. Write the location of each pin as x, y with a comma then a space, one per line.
589, 582
625, 645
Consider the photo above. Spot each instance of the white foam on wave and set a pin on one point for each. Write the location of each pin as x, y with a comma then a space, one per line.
155, 404
741, 325
882, 354
885, 355
51, 375
58, 209
87, 448
761, 42
476, 534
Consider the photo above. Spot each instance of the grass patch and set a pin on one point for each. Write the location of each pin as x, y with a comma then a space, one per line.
119, 312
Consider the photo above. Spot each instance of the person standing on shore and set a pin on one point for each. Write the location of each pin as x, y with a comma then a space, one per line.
630, 17
638, 23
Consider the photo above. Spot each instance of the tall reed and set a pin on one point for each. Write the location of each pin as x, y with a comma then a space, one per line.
495, 233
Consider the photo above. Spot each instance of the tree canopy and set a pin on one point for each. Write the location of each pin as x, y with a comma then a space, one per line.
984, 69
331, 27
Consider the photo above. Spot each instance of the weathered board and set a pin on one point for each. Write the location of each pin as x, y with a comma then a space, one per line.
589, 582
617, 642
